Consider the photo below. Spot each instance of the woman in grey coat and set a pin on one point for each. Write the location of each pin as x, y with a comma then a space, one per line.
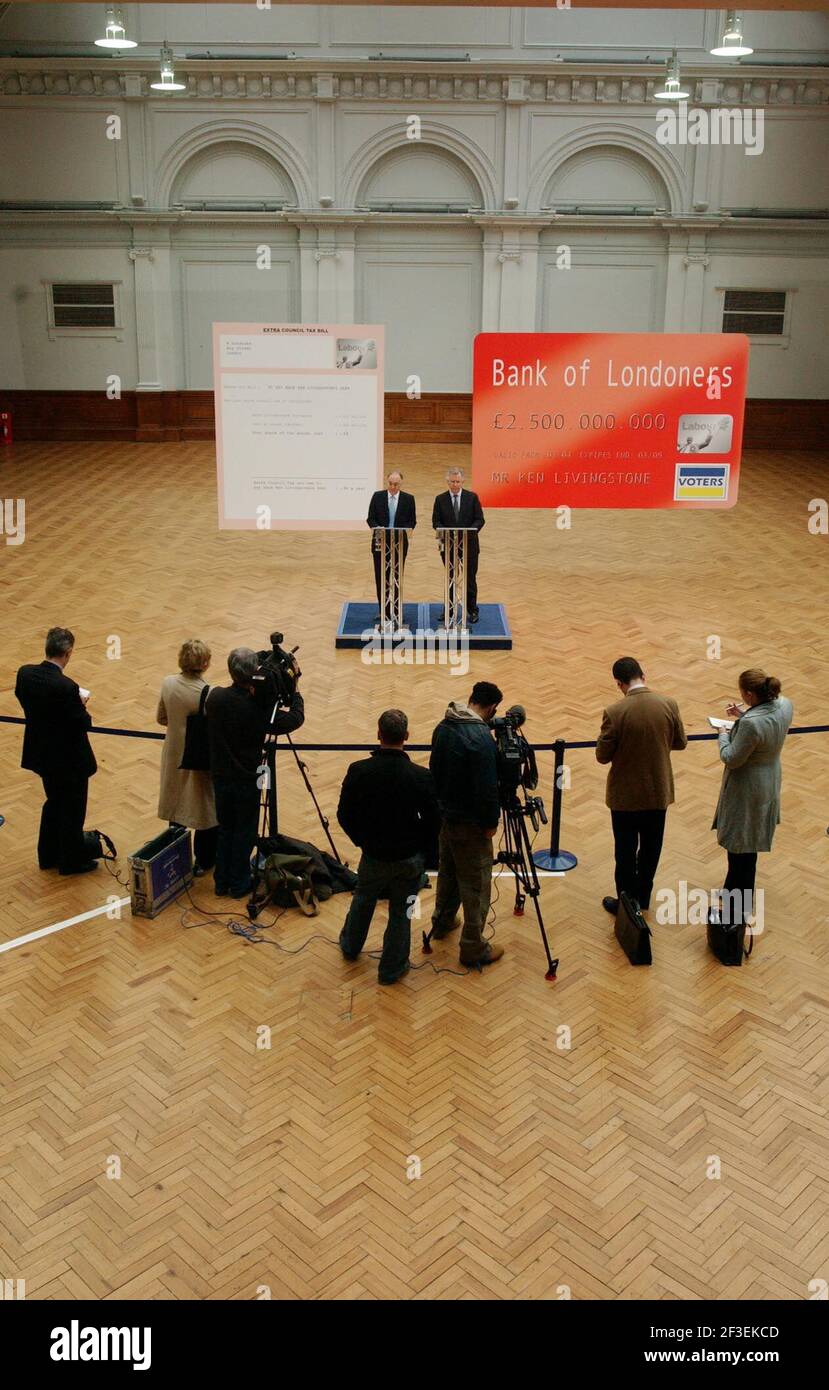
748, 810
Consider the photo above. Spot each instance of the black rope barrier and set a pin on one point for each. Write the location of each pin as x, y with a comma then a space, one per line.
554, 860
411, 747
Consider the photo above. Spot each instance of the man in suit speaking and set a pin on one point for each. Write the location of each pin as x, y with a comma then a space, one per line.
391, 508
459, 507
56, 747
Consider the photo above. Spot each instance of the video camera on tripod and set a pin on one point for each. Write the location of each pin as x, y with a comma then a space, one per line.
276, 676
517, 766
518, 771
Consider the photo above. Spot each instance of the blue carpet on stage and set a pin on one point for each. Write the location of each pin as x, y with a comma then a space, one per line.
491, 632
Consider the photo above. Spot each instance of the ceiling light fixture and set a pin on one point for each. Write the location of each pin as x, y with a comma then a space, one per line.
167, 80
115, 35
672, 90
732, 44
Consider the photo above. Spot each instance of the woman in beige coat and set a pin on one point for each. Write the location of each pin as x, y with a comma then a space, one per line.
186, 796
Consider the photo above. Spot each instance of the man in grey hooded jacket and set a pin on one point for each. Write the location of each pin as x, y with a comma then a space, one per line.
464, 767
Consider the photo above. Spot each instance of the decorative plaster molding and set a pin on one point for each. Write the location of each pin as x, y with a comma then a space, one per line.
617, 84
137, 252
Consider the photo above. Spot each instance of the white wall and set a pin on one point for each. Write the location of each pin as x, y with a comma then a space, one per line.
513, 136
337, 31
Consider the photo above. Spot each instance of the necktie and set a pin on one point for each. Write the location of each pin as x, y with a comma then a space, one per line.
456, 503
392, 509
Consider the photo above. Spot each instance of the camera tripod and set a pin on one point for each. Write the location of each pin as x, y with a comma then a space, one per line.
269, 809
517, 855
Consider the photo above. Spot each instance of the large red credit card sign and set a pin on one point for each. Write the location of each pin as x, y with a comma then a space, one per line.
608, 419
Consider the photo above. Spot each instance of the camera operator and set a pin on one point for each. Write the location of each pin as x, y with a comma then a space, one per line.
464, 765
237, 725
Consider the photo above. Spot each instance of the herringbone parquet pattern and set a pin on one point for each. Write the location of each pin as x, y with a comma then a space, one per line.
543, 1168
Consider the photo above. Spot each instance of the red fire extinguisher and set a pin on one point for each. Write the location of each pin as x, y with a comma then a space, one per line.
6, 436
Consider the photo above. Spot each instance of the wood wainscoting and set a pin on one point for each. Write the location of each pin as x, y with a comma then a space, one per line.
441, 417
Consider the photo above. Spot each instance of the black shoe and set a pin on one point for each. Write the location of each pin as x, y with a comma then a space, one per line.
346, 954
611, 905
198, 871
45, 867
81, 869
473, 617
392, 979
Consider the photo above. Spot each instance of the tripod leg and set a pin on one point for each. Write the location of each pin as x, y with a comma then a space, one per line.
322, 819
527, 876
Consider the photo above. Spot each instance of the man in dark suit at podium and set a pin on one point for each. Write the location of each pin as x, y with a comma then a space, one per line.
391, 508
56, 747
459, 507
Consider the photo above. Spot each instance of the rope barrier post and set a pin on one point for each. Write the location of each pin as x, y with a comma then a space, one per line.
556, 859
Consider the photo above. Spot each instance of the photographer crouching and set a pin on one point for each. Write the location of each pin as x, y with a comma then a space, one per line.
239, 719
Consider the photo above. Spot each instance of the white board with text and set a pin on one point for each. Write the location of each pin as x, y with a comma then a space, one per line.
299, 424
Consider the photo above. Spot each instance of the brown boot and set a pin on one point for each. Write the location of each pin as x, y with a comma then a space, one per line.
491, 953
438, 933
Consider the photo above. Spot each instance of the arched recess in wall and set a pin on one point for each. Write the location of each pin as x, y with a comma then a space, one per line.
616, 279
232, 174
606, 167
419, 177
217, 268
606, 177
443, 166
248, 152
420, 275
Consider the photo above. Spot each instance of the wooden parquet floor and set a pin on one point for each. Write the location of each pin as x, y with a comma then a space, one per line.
544, 1170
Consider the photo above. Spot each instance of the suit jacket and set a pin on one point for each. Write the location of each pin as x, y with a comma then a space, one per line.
405, 516
748, 809
443, 514
56, 738
637, 736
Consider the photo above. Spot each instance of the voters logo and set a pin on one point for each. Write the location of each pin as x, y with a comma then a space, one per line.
701, 484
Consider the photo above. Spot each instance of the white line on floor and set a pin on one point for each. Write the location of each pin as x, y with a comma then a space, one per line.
59, 926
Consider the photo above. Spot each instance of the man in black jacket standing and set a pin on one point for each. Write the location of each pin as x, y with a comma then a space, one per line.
464, 766
388, 807
391, 508
56, 746
237, 723
460, 507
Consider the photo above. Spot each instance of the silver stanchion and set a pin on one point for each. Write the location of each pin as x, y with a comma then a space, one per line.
452, 545
389, 541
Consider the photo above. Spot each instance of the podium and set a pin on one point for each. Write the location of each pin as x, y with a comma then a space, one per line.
389, 543
452, 545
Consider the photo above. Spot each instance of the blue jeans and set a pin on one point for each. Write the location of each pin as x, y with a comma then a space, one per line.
399, 881
237, 811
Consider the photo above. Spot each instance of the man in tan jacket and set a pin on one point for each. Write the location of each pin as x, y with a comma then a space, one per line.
637, 736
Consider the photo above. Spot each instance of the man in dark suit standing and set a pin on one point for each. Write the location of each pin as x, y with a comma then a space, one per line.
56, 746
459, 507
391, 508
637, 736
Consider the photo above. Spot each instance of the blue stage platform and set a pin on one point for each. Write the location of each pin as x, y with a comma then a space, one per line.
490, 633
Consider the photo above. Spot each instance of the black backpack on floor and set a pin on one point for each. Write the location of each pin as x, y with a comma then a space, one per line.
327, 875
